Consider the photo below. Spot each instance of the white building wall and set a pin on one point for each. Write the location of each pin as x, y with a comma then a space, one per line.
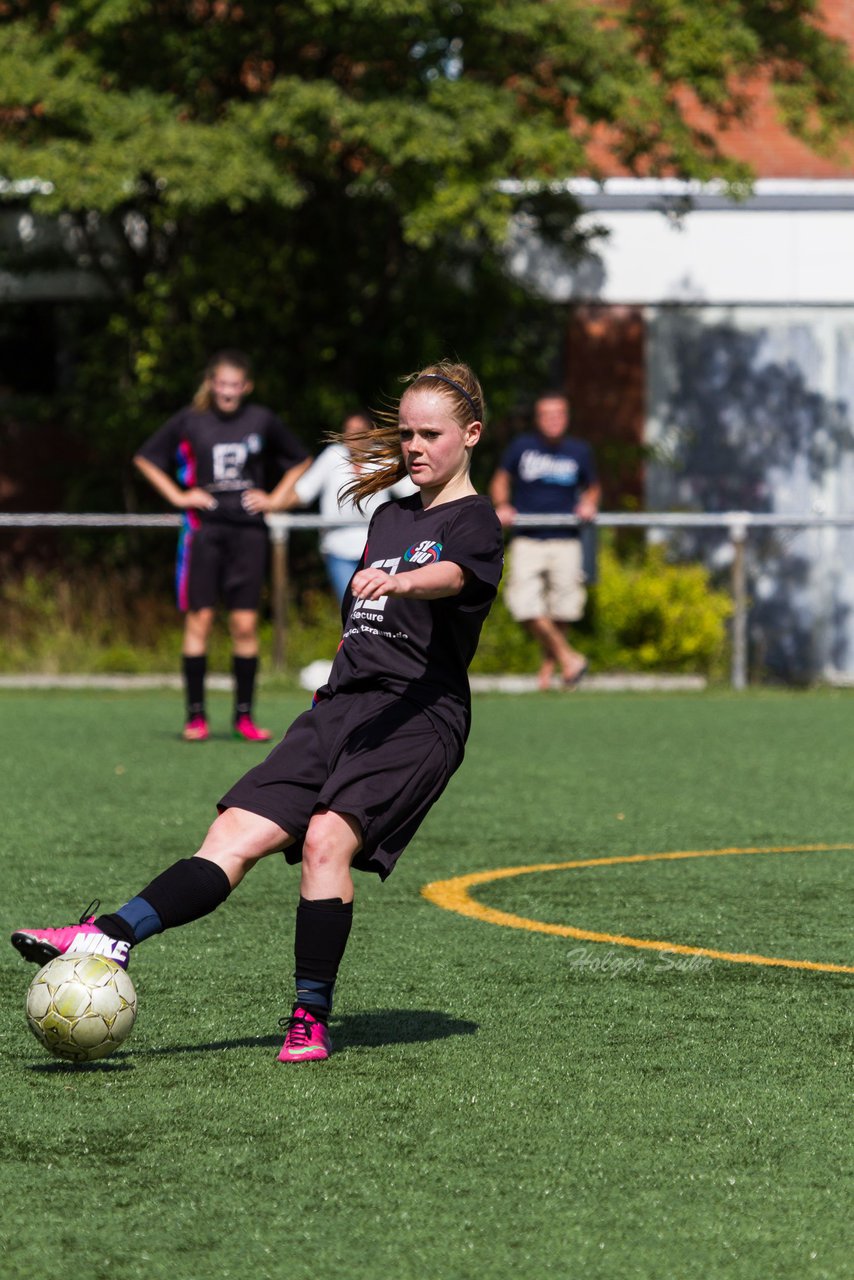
791, 243
749, 408
749, 375
756, 258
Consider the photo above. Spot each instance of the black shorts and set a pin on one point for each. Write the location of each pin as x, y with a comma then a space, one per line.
226, 562
372, 755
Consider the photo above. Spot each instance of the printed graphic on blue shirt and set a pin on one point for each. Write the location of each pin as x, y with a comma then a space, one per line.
547, 468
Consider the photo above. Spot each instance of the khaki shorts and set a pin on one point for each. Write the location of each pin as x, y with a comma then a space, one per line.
546, 579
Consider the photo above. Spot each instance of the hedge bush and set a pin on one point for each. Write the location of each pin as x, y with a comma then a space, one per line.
644, 614
652, 615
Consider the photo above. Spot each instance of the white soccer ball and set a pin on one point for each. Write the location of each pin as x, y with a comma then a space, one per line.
81, 1007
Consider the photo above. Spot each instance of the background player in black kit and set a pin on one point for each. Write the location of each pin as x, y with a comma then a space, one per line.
221, 451
354, 777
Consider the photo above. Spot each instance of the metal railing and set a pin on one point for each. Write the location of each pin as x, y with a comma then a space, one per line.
736, 524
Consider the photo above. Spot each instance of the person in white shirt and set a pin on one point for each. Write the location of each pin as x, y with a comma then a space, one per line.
342, 545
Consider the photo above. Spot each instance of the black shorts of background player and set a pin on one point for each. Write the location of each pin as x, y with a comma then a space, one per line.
221, 451
354, 776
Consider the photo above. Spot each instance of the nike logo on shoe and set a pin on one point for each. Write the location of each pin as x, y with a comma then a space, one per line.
99, 944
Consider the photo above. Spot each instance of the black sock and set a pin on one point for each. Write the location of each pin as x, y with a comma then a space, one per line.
115, 927
245, 670
132, 923
323, 927
186, 891
194, 670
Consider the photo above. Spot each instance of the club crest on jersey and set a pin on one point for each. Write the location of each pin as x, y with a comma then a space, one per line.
254, 443
423, 553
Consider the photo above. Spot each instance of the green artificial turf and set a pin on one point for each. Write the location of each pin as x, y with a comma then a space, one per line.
501, 1102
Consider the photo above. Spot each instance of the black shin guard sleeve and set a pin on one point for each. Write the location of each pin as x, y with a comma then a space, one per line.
245, 672
194, 669
323, 928
186, 891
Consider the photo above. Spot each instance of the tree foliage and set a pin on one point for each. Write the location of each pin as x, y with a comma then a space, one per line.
323, 182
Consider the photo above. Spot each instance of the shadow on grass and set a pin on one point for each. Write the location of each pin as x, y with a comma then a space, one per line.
396, 1026
60, 1067
350, 1031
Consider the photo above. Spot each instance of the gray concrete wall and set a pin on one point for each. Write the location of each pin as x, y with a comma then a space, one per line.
752, 408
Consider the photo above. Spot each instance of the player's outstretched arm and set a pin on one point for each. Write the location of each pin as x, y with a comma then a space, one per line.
432, 582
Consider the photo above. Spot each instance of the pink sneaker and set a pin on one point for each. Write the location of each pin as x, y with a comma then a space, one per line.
42, 945
246, 728
196, 730
307, 1039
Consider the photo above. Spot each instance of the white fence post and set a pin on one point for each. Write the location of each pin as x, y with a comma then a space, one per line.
279, 583
738, 538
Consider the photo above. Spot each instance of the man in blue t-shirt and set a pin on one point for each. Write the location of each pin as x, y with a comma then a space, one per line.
548, 472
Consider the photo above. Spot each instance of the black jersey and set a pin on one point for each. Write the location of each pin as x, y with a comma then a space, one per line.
226, 454
421, 649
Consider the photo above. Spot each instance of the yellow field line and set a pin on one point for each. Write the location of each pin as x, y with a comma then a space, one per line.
454, 895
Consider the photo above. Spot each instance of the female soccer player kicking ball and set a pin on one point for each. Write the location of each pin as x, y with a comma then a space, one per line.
354, 777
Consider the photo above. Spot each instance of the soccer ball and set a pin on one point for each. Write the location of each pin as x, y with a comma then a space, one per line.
81, 1007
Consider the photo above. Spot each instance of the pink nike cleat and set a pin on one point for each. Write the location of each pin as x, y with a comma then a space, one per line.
246, 728
307, 1039
42, 945
196, 729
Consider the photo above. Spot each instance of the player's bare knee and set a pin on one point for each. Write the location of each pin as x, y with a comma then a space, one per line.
243, 627
245, 636
244, 837
326, 845
317, 853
